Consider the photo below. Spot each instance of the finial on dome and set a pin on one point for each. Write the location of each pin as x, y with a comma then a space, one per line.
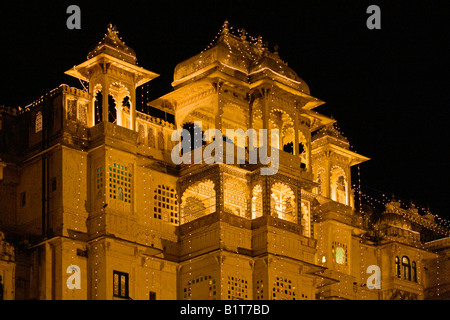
243, 36
275, 49
259, 41
112, 30
225, 28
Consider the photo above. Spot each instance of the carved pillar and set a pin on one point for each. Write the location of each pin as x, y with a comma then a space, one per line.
133, 109
348, 186
265, 108
219, 188
296, 142
299, 208
91, 107
219, 105
105, 100
266, 195
327, 173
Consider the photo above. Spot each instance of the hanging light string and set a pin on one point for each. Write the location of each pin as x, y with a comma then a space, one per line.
381, 199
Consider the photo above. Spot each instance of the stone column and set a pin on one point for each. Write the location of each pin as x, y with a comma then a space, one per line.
133, 109
296, 141
219, 189
105, 104
266, 195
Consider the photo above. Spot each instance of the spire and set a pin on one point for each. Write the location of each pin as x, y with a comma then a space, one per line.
225, 28
243, 34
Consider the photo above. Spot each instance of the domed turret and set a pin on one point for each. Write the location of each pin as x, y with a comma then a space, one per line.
330, 134
112, 44
249, 61
272, 62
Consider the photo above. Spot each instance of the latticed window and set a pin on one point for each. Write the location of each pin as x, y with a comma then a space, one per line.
120, 182
199, 287
283, 288
237, 288
165, 204
99, 181
339, 252
259, 289
72, 110
38, 122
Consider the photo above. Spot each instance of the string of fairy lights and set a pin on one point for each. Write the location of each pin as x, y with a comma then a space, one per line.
367, 196
374, 197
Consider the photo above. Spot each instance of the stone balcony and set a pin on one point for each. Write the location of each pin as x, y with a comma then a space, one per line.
232, 233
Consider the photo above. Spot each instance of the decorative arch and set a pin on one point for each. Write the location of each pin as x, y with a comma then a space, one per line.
406, 266
197, 201
200, 112
281, 120
319, 176
414, 271
282, 204
339, 185
119, 93
234, 116
235, 196
303, 148
257, 203
397, 267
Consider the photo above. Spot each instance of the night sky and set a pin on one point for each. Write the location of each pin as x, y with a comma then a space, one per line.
387, 88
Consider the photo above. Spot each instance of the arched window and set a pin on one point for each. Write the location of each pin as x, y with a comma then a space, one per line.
406, 268
235, 196
257, 202
339, 190
339, 252
120, 193
340, 255
414, 271
38, 122
397, 267
197, 201
341, 195
283, 205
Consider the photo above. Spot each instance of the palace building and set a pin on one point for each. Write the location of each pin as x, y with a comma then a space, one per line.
87, 181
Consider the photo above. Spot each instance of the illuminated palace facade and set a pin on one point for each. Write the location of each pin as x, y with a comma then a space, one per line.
86, 180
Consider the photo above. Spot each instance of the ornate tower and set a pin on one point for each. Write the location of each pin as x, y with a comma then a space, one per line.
253, 219
334, 216
111, 70
332, 161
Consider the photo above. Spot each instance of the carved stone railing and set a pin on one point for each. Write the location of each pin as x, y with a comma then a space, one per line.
237, 221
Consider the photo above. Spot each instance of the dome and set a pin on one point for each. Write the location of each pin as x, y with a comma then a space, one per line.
331, 132
247, 59
394, 220
272, 61
112, 45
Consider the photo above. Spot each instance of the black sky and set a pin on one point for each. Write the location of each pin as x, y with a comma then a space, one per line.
387, 88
